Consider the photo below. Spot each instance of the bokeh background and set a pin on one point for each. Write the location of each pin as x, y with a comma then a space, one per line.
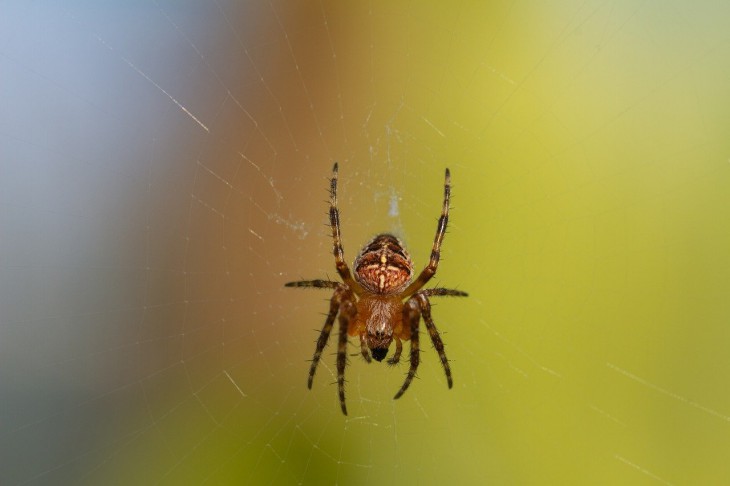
163, 172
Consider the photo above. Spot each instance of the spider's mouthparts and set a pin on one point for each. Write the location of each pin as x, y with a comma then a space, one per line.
379, 353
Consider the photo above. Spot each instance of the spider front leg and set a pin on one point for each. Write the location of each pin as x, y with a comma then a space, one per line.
416, 307
398, 350
347, 312
338, 297
364, 348
425, 306
411, 316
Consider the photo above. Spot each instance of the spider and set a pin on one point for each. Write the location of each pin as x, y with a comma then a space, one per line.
380, 303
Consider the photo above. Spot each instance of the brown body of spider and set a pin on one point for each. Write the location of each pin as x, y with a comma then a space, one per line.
382, 302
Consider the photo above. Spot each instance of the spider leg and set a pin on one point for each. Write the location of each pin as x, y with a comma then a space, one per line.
398, 351
438, 292
324, 335
347, 312
425, 306
320, 284
433, 263
364, 348
412, 315
339, 253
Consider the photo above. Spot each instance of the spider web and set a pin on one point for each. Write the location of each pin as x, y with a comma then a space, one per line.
163, 173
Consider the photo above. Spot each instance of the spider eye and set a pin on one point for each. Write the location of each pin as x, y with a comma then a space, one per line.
379, 353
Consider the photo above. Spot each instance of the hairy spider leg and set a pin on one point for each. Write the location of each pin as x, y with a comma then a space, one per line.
320, 284
433, 263
412, 315
338, 251
416, 307
324, 335
439, 291
347, 313
398, 350
425, 306
364, 347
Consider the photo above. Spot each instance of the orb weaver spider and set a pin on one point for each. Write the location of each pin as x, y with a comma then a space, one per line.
380, 303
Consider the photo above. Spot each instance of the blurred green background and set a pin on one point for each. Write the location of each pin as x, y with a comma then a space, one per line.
163, 173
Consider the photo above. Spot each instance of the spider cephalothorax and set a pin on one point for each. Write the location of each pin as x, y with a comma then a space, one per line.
381, 303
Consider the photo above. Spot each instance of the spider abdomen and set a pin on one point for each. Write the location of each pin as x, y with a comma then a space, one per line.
384, 266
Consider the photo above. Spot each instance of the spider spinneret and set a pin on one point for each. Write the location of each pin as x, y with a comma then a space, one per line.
382, 302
